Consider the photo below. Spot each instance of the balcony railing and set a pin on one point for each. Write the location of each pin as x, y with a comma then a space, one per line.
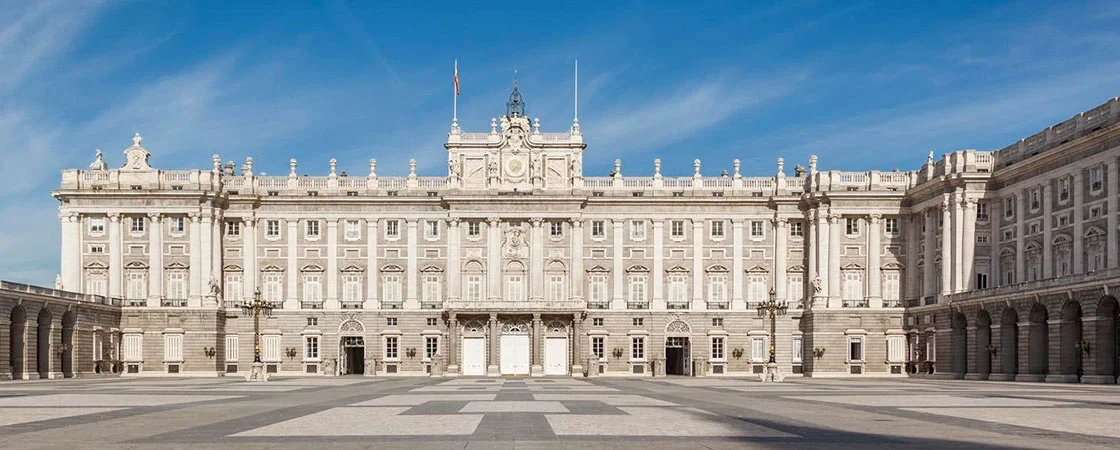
135, 302
513, 304
173, 303
351, 304
391, 305
892, 303
860, 303
676, 304
598, 305
311, 305
76, 296
718, 305
431, 305
637, 305
912, 302
232, 304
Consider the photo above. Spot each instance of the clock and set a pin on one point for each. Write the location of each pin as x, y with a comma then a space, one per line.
515, 167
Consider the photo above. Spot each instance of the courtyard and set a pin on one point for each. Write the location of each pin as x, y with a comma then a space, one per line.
415, 413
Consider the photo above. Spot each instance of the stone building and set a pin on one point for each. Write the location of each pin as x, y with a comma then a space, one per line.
514, 262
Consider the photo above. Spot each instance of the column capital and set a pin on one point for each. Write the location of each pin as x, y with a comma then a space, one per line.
697, 223
536, 221
114, 216
536, 317
493, 317
576, 222
333, 223
155, 216
249, 220
68, 217
195, 217
833, 219
453, 221
493, 221
875, 218
780, 222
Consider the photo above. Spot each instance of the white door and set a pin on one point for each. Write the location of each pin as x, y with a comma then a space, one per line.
515, 354
474, 356
556, 356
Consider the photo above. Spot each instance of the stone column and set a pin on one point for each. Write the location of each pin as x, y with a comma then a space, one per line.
536, 369
912, 237
453, 344
577, 275
577, 344
657, 278
968, 246
929, 285
946, 246
874, 267
698, 264
994, 242
249, 258
617, 299
1020, 240
813, 249
412, 274
291, 297
957, 240
737, 298
454, 268
835, 294
492, 368
1047, 233
116, 257
536, 261
781, 252
1113, 193
1078, 254
155, 259
195, 298
331, 301
821, 255
493, 259
206, 266
71, 257
372, 272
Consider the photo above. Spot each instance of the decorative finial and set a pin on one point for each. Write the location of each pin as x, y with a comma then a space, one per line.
657, 168
247, 170
136, 139
929, 159
781, 167
617, 168
229, 167
696, 168
493, 126
334, 167
292, 167
735, 165
537, 125
515, 107
217, 160
812, 164
373, 168
412, 167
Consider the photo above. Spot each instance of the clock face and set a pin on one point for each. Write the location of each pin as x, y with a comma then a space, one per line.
515, 167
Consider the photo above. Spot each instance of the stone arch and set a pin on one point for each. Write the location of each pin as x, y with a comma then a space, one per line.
1108, 335
351, 327
958, 339
678, 328
1009, 342
43, 343
473, 266
1038, 359
983, 343
17, 334
1070, 339
474, 328
515, 267
69, 320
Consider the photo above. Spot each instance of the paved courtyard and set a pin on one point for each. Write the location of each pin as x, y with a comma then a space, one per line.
469, 413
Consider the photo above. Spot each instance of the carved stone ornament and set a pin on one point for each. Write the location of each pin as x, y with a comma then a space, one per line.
98, 162
136, 157
678, 327
351, 327
514, 245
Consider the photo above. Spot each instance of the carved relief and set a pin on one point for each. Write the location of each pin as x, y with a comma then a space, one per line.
514, 245
136, 157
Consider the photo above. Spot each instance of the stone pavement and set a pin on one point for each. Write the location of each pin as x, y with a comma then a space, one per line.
419, 413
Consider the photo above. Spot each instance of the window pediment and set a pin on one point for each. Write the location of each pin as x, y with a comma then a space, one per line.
176, 266
272, 268
893, 266
392, 268
755, 269
431, 268
135, 265
637, 268
798, 269
598, 269
311, 268
852, 266
717, 268
353, 269
1094, 232
677, 269
231, 268
96, 265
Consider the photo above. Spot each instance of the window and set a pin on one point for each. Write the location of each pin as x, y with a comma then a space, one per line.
597, 322
1094, 212
137, 225
178, 225
311, 348
352, 289
638, 348
133, 347
391, 349
1096, 179
173, 347
431, 347
717, 349
756, 287
231, 348
851, 226
637, 230
556, 229
233, 228
312, 229
1036, 199
473, 229
981, 239
97, 248
272, 228
390, 321
515, 288
392, 229
312, 321
391, 288
981, 281
431, 229
353, 230
271, 291
597, 229
137, 285
96, 285
637, 288
891, 285
853, 286
312, 288
982, 211
474, 288
758, 349
1063, 189
896, 348
1096, 258
597, 289
717, 229
795, 349
717, 321
678, 288
796, 289
891, 225
176, 285
597, 347
97, 226
637, 321
1009, 207
796, 229
1008, 277
431, 293
676, 229
717, 288
855, 349
756, 229
555, 288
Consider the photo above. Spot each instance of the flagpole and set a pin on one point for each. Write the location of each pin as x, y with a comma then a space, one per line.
575, 118
455, 98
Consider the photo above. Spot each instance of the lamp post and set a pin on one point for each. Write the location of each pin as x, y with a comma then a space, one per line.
256, 308
774, 309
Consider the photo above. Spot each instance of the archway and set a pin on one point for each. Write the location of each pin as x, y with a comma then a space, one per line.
17, 334
1070, 340
959, 341
68, 321
1038, 360
983, 344
43, 343
1107, 337
1009, 343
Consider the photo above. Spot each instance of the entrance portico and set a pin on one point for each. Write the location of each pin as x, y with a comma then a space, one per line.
514, 344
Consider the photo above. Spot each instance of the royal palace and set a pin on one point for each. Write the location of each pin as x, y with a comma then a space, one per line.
979, 264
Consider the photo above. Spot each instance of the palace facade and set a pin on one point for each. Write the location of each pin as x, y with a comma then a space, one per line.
1001, 263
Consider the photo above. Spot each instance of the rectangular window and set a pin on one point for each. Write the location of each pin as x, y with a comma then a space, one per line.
97, 248
891, 285
796, 229
272, 288
391, 288
176, 285
1036, 199
717, 349
1096, 179
133, 347
896, 348
597, 229
312, 228
597, 289
597, 347
178, 225
515, 290
678, 288
756, 288
758, 349
1009, 207
96, 285
233, 228
637, 321
556, 229
231, 348
891, 226
981, 281
637, 288
855, 349
756, 229
431, 347
851, 226
137, 225
172, 347
795, 349
717, 229
676, 228
311, 348
353, 230
474, 288
431, 229
392, 229
97, 226
717, 321
637, 230
391, 349
137, 285
390, 321
352, 289
431, 293
474, 229
853, 286
313, 288
796, 289
272, 228
638, 348
597, 322
1063, 189
556, 288
982, 211
717, 288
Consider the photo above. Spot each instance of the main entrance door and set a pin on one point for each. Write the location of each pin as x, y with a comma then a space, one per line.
676, 356
556, 356
353, 355
474, 356
515, 354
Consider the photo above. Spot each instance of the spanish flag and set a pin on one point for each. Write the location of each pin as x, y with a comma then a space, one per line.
456, 77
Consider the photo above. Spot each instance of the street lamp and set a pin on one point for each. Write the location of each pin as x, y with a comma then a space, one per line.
256, 308
774, 309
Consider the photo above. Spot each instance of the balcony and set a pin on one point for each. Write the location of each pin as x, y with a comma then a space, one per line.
135, 302
499, 304
860, 303
173, 303
311, 305
351, 304
232, 304
637, 305
431, 305
598, 305
892, 303
718, 305
795, 304
677, 304
912, 302
392, 305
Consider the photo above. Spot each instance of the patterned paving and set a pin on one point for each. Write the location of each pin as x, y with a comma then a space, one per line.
598, 413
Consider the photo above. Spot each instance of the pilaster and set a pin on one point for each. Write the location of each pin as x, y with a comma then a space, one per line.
957, 242
249, 258
412, 274
291, 275
1047, 233
929, 284
834, 291
617, 300
493, 261
492, 368
1113, 245
155, 260
71, 258
535, 368
698, 264
968, 246
194, 300
1020, 239
331, 301
577, 276
737, 301
454, 268
874, 252
536, 260
372, 272
946, 287
657, 278
1078, 254
781, 253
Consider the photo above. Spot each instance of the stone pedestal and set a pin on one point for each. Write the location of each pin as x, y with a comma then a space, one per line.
452, 370
536, 371
659, 367
772, 374
257, 373
577, 370
210, 301
493, 371
819, 301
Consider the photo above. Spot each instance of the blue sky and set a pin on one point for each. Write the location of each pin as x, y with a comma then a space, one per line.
864, 85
